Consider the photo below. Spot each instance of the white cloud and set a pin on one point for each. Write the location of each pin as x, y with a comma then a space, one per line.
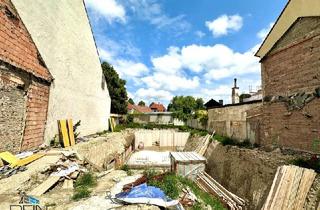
221, 92
110, 9
170, 82
169, 63
105, 55
151, 94
152, 12
200, 34
216, 61
264, 32
225, 24
127, 68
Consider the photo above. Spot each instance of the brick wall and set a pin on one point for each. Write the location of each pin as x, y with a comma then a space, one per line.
293, 67
17, 47
24, 83
37, 106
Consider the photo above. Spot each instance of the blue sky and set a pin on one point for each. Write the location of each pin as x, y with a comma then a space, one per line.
164, 48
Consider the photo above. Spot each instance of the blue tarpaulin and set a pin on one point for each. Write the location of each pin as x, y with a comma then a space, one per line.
147, 195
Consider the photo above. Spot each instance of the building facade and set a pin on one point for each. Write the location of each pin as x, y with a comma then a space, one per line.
63, 36
290, 63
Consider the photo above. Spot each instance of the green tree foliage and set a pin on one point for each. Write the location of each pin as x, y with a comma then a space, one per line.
141, 103
117, 89
200, 104
131, 101
183, 106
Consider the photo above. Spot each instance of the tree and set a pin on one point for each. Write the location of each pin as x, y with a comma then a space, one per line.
117, 89
183, 106
141, 103
131, 101
200, 104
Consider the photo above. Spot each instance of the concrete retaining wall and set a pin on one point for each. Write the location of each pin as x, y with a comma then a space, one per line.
164, 138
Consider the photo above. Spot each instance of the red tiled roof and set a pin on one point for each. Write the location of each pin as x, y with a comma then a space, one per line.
158, 107
141, 109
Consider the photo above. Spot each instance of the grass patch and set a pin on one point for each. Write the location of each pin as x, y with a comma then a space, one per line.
83, 185
102, 132
173, 185
224, 140
126, 168
311, 163
81, 192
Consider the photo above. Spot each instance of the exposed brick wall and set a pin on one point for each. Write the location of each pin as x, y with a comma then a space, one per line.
294, 63
37, 107
17, 47
25, 81
293, 66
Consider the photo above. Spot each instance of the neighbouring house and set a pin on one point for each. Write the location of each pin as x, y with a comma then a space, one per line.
213, 104
138, 109
290, 63
157, 107
254, 96
62, 33
24, 84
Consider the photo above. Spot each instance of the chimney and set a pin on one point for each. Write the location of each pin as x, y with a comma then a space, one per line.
221, 102
235, 93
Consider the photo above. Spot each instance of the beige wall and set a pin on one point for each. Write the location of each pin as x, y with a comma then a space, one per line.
61, 31
231, 120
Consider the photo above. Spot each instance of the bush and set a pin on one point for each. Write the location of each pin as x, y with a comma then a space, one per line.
224, 140
81, 192
126, 168
82, 185
86, 180
173, 185
311, 163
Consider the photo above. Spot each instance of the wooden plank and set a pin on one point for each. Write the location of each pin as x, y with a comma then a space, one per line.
110, 125
294, 190
45, 186
71, 134
9, 158
28, 160
305, 184
64, 132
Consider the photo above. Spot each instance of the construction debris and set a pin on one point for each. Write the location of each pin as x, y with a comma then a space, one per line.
45, 186
289, 188
208, 184
188, 198
147, 195
202, 148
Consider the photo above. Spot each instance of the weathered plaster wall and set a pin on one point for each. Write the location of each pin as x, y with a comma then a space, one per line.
62, 33
290, 78
231, 120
